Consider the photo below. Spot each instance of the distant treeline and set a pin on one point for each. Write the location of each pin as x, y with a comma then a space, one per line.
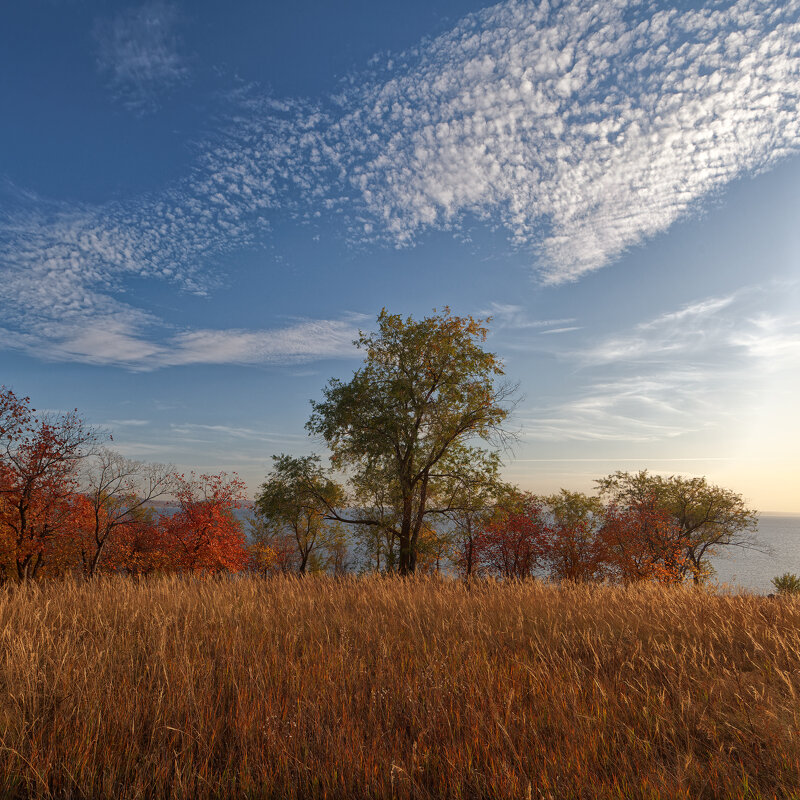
403, 446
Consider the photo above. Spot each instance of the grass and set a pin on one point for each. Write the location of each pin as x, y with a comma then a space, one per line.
387, 688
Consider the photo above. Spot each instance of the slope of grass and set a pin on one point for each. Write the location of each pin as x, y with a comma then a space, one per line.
387, 688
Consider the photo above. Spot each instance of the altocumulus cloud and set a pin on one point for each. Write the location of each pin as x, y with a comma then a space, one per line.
138, 52
581, 128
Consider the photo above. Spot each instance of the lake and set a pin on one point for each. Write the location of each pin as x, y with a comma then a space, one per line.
742, 569
747, 569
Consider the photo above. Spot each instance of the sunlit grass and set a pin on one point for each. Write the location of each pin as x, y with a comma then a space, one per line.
387, 688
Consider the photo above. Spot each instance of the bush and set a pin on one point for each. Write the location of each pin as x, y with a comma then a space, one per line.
788, 583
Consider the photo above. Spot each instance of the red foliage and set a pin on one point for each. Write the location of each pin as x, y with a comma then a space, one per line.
205, 535
38, 460
576, 552
514, 541
141, 547
643, 542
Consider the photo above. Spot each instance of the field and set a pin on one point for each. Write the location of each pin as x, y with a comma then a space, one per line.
387, 688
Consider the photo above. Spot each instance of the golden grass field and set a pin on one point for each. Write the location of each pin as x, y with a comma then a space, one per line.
379, 687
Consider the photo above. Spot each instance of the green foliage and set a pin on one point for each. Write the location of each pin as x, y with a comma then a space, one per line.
294, 501
788, 584
709, 517
407, 417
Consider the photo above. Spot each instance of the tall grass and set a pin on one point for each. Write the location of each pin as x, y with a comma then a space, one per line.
388, 688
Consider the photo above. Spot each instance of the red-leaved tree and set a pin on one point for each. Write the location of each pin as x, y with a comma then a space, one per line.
38, 463
205, 535
643, 542
514, 540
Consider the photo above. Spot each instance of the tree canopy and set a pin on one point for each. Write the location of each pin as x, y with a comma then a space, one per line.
426, 391
707, 517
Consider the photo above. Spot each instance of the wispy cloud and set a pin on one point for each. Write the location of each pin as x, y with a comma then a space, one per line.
582, 128
111, 342
139, 54
634, 409
236, 432
515, 317
701, 366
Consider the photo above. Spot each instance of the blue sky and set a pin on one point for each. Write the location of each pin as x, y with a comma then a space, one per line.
201, 204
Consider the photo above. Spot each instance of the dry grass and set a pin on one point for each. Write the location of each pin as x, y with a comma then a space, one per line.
389, 688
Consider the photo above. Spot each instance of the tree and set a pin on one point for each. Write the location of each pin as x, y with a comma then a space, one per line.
642, 541
426, 389
38, 463
295, 499
708, 517
514, 540
115, 488
205, 535
575, 550
480, 495
142, 547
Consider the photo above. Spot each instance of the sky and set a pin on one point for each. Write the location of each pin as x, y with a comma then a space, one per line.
202, 203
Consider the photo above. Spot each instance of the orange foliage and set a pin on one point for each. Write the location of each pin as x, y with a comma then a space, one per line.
643, 542
205, 535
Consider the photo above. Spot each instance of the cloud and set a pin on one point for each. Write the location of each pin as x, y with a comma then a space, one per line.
112, 342
645, 408
313, 339
139, 54
561, 330
514, 317
705, 365
236, 432
714, 331
582, 128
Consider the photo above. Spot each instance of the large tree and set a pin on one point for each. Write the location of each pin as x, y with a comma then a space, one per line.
708, 518
426, 391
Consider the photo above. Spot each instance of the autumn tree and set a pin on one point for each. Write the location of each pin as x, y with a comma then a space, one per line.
39, 456
295, 501
144, 546
425, 391
116, 488
643, 541
575, 549
205, 535
710, 519
513, 542
475, 496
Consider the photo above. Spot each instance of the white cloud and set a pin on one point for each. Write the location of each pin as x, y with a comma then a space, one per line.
139, 54
110, 342
633, 409
583, 128
236, 432
514, 317
304, 341
709, 364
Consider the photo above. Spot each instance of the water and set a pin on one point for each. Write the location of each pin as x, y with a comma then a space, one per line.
746, 569
740, 569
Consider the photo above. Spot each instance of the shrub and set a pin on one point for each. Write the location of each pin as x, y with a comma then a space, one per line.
788, 583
